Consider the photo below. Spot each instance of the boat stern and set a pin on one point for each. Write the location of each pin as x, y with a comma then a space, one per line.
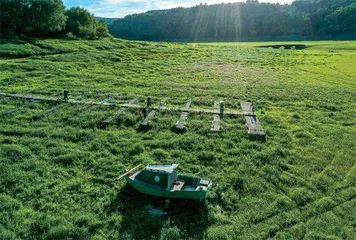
204, 184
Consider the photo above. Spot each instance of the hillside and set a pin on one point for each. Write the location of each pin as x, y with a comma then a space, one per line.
58, 174
106, 20
250, 21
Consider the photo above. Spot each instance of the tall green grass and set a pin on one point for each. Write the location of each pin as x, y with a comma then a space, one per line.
58, 174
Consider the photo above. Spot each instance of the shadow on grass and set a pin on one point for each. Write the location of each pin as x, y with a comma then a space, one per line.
143, 216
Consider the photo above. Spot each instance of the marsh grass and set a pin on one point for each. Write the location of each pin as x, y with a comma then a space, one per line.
58, 174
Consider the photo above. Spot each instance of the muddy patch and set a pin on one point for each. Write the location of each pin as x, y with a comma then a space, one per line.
286, 46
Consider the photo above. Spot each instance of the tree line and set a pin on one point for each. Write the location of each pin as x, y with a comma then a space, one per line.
48, 18
250, 20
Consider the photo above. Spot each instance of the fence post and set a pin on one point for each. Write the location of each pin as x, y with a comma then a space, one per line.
222, 109
148, 102
65, 94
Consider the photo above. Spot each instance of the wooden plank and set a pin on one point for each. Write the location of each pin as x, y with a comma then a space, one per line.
254, 127
76, 115
4, 98
23, 97
215, 127
14, 110
148, 117
162, 104
95, 106
182, 122
248, 111
28, 97
129, 105
187, 106
111, 119
146, 121
128, 172
204, 111
247, 108
11, 111
53, 109
91, 106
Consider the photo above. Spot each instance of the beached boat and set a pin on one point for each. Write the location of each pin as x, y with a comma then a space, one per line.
164, 181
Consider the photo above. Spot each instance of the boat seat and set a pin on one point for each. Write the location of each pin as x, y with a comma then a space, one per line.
176, 186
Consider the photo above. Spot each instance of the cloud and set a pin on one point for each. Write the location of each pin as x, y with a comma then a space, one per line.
121, 8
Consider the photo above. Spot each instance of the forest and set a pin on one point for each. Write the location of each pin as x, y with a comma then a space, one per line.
38, 18
250, 20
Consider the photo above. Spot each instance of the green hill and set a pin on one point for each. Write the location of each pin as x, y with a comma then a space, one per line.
58, 174
243, 21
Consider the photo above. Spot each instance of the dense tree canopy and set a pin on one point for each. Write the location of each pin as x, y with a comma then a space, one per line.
33, 17
47, 18
248, 20
83, 24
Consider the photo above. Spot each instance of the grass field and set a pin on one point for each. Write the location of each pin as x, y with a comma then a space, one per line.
58, 174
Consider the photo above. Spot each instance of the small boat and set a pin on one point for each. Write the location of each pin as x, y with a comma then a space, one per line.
164, 181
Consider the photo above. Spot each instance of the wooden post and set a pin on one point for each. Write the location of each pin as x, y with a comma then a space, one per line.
222, 109
65, 94
148, 102
128, 172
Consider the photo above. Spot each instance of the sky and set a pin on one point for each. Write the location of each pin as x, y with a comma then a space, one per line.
121, 8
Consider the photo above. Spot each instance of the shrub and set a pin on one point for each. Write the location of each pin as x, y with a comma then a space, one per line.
324, 204
87, 221
301, 196
14, 152
220, 233
160, 155
66, 159
295, 116
315, 235
170, 232
8, 204
67, 232
70, 35
127, 236
6, 234
136, 149
87, 32
207, 157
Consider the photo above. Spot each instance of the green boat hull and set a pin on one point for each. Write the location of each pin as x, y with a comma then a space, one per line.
144, 188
